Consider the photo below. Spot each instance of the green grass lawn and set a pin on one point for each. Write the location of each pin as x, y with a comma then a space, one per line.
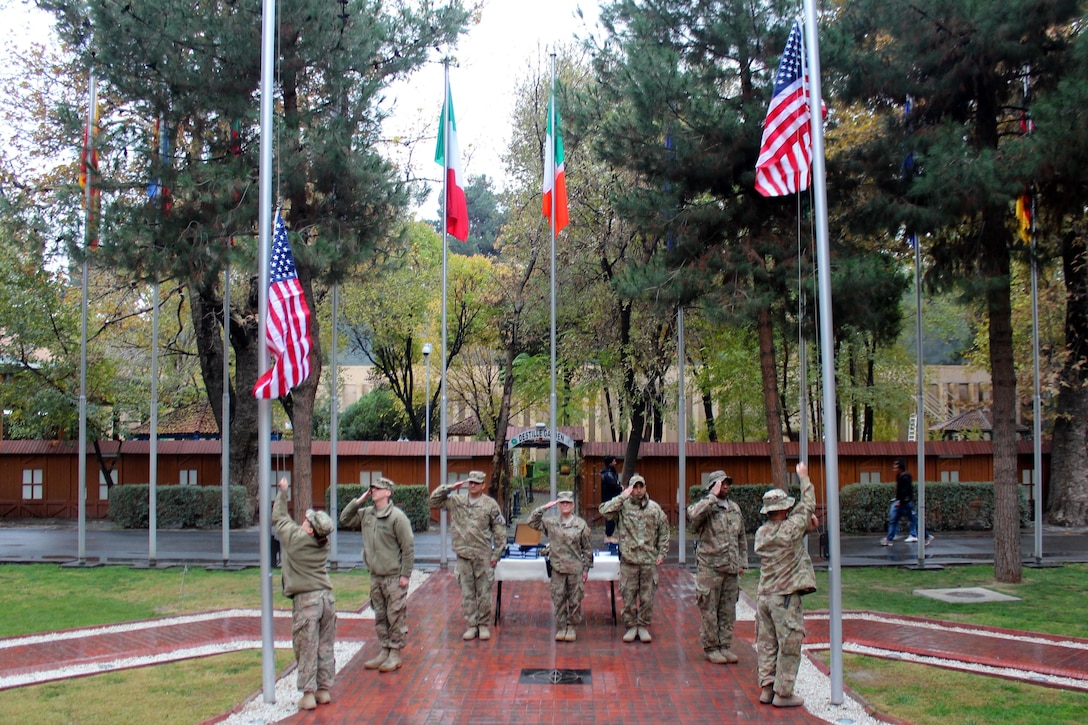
43, 597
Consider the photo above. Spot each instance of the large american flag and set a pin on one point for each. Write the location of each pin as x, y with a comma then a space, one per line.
287, 327
785, 154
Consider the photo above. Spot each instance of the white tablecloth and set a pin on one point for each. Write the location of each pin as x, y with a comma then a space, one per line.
606, 568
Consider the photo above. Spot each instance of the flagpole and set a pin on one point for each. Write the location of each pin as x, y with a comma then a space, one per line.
334, 423
153, 452
552, 399
831, 441
443, 419
92, 102
1036, 398
264, 405
682, 437
224, 426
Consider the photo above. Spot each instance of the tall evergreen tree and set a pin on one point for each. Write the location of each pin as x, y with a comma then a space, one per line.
194, 70
962, 65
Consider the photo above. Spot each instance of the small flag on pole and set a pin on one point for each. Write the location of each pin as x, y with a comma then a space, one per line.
287, 326
449, 155
88, 178
785, 154
555, 177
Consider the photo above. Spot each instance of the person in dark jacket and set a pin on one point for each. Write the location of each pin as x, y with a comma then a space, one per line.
902, 505
610, 488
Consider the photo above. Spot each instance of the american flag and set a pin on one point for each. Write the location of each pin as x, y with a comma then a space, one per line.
785, 154
287, 327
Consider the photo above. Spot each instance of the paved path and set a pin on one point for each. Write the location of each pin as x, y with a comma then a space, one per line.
447, 680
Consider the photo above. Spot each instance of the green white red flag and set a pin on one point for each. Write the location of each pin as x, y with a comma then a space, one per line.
555, 179
449, 155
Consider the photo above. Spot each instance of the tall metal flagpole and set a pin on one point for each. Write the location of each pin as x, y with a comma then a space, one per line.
920, 404
1036, 398
827, 342
264, 405
224, 432
681, 434
92, 102
334, 423
552, 398
443, 419
153, 452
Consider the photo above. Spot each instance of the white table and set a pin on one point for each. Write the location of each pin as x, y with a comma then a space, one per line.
606, 568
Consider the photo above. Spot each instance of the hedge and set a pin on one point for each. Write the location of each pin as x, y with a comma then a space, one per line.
863, 507
413, 500
178, 507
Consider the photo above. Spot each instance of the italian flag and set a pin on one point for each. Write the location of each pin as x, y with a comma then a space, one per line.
449, 155
555, 179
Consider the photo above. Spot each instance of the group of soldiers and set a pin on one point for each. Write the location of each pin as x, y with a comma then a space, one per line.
479, 540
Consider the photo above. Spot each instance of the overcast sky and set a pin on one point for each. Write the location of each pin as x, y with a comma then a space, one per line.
510, 36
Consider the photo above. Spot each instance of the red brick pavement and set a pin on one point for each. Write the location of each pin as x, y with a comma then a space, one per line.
446, 680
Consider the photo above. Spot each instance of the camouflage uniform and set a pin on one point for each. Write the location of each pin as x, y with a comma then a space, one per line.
643, 532
785, 576
721, 556
571, 557
389, 554
479, 536
305, 580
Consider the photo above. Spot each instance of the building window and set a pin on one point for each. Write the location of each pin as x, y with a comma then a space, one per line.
32, 484
103, 487
870, 477
950, 476
187, 477
368, 477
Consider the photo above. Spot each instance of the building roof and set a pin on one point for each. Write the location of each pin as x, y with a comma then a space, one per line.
195, 421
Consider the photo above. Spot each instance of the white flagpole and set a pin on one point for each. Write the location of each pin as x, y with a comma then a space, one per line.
553, 398
264, 405
831, 434
224, 432
92, 102
443, 418
682, 437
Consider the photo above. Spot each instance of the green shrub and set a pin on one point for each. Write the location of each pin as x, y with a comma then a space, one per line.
413, 500
177, 507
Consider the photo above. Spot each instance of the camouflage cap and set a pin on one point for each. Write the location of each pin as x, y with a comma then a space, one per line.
477, 476
776, 500
567, 496
320, 521
636, 480
382, 482
716, 476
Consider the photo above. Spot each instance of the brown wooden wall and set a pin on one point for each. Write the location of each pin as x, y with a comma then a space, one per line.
747, 463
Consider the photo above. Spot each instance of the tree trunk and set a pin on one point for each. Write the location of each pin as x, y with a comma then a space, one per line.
708, 413
1068, 498
772, 412
1007, 554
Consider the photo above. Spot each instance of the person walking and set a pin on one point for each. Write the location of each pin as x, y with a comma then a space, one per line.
389, 555
479, 537
903, 505
305, 580
643, 542
610, 488
785, 575
720, 561
570, 556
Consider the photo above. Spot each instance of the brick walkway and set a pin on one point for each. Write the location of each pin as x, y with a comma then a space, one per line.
445, 680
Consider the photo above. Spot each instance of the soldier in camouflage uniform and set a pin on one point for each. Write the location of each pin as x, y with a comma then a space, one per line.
643, 541
389, 555
305, 551
571, 557
721, 559
479, 537
785, 576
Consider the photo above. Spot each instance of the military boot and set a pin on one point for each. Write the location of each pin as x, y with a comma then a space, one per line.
730, 658
323, 697
392, 662
714, 657
644, 635
470, 633
377, 661
630, 634
560, 634
307, 702
571, 636
791, 701
767, 695
485, 633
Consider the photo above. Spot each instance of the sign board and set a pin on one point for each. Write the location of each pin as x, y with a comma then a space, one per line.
539, 435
